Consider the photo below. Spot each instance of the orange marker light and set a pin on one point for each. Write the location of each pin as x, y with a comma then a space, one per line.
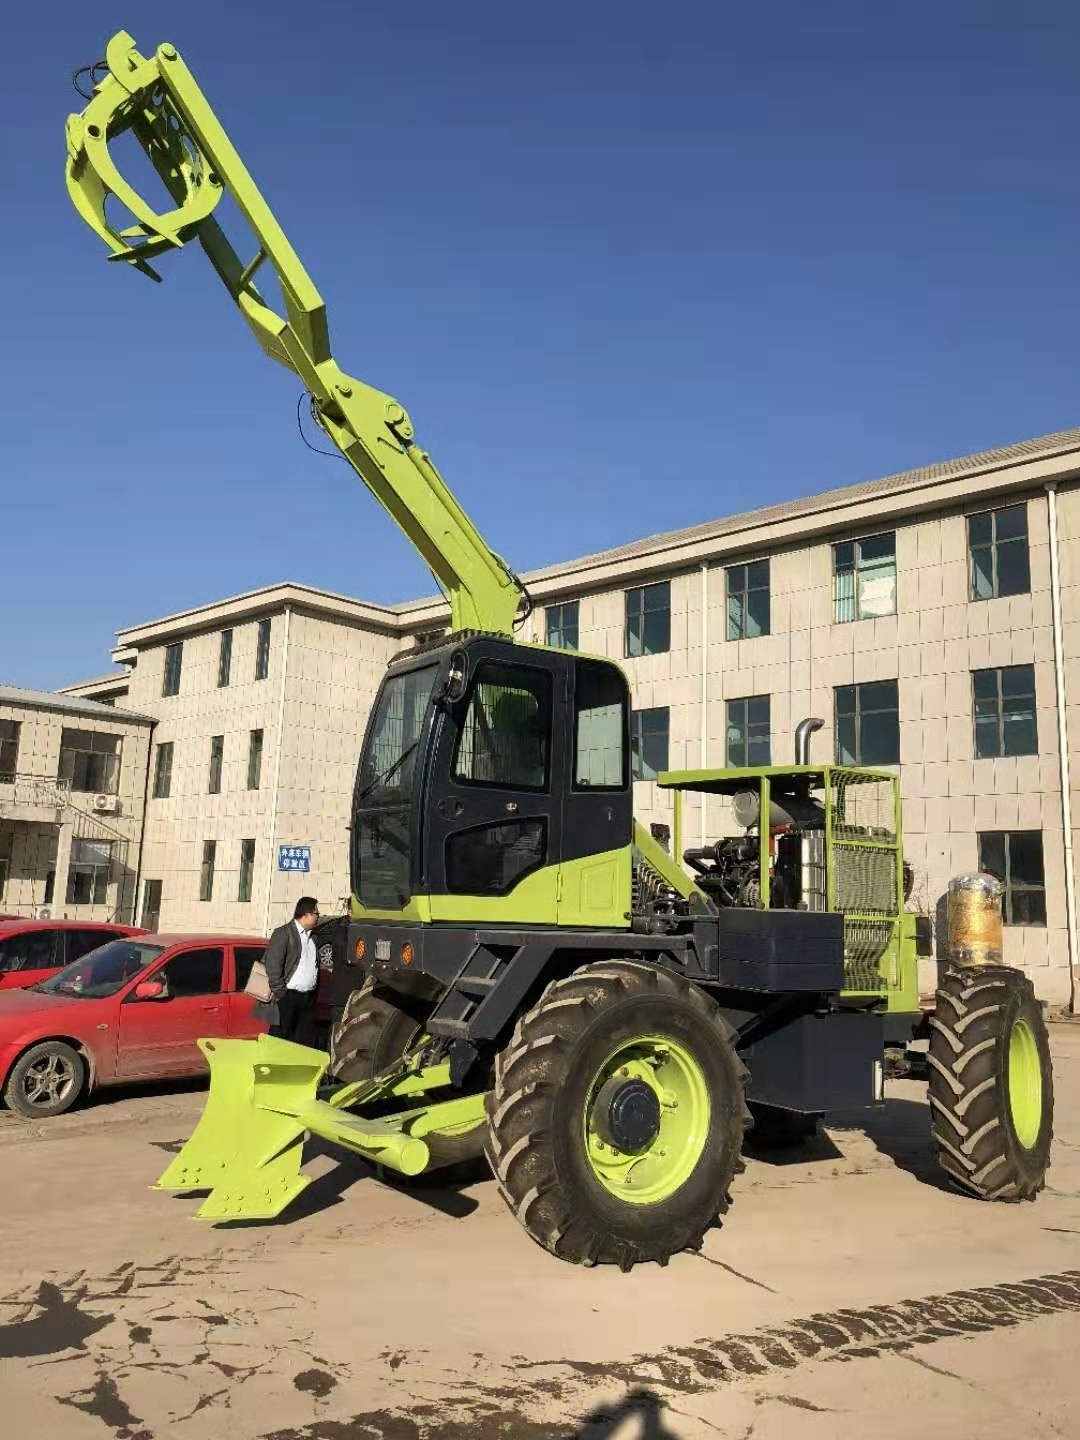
407, 953
360, 949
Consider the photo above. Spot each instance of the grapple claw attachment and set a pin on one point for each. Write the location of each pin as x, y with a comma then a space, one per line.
131, 96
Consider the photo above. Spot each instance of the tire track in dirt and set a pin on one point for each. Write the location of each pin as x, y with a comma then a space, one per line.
480, 1410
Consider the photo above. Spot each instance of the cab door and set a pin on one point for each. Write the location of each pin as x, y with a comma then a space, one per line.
493, 817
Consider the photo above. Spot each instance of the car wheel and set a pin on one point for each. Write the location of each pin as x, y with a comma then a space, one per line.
46, 1080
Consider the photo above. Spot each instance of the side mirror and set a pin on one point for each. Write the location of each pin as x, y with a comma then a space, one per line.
151, 990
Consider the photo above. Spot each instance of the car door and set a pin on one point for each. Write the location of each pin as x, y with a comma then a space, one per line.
242, 1021
157, 1036
29, 956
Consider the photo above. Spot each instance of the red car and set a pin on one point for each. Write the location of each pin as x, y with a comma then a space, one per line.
31, 950
131, 1010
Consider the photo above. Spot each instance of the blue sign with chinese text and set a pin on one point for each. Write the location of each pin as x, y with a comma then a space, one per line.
294, 857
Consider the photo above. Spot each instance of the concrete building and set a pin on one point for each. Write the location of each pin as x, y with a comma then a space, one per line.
931, 619
72, 793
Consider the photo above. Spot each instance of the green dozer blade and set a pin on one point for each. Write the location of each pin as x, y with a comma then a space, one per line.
247, 1148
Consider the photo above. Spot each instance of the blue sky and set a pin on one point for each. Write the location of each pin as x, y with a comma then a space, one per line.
629, 266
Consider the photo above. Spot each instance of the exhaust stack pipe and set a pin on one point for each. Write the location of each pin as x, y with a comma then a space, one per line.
803, 732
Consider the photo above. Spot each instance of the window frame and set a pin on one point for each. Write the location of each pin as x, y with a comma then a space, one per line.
9, 745
262, 648
161, 971
224, 669
999, 714
108, 756
746, 701
638, 611
1008, 887
738, 631
255, 758
557, 611
99, 871
583, 667
993, 546
217, 764
858, 570
173, 669
206, 871
857, 715
161, 786
246, 878
638, 736
546, 690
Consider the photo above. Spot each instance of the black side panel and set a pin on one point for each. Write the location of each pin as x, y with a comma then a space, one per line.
774, 950
818, 1062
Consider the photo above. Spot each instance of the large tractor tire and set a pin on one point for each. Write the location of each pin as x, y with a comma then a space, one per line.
373, 1034
616, 1120
991, 1083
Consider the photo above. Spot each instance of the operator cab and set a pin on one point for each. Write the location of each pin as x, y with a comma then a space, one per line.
484, 762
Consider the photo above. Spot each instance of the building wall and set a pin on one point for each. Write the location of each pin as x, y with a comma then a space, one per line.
311, 707
29, 832
320, 701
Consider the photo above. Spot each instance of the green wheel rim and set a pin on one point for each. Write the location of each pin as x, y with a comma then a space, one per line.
678, 1081
1025, 1084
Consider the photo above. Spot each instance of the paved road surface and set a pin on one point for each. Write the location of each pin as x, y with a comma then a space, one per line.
847, 1294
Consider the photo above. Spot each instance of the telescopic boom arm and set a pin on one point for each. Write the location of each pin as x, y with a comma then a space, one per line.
159, 102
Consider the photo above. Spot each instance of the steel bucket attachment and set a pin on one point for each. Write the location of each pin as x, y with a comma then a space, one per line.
247, 1148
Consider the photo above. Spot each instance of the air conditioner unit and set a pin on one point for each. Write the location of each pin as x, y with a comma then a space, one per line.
105, 804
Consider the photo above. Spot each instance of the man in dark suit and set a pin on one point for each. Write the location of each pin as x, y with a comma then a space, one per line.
292, 967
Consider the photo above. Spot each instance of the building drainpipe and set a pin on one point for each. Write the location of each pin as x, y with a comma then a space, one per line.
703, 746
271, 839
1063, 740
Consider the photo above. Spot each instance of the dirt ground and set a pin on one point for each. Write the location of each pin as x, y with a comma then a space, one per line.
378, 1313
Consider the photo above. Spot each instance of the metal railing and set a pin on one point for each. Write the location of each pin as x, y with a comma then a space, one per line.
35, 790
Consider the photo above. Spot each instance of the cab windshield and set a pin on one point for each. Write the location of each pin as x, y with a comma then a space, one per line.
102, 972
385, 784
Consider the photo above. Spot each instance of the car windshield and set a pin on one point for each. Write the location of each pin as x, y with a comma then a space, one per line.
102, 972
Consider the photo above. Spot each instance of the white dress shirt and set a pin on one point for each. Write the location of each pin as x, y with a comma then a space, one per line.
306, 974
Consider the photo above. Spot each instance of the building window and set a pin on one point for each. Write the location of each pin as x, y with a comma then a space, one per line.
224, 663
1015, 857
174, 660
163, 757
748, 724
247, 869
3, 875
864, 578
151, 904
998, 553
88, 875
262, 651
747, 600
648, 619
1003, 705
206, 874
868, 724
648, 742
90, 761
255, 754
217, 754
562, 625
9, 750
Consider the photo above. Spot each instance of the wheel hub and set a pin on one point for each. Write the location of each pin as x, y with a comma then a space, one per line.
627, 1114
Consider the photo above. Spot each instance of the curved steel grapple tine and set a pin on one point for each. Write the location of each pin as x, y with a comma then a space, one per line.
131, 97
